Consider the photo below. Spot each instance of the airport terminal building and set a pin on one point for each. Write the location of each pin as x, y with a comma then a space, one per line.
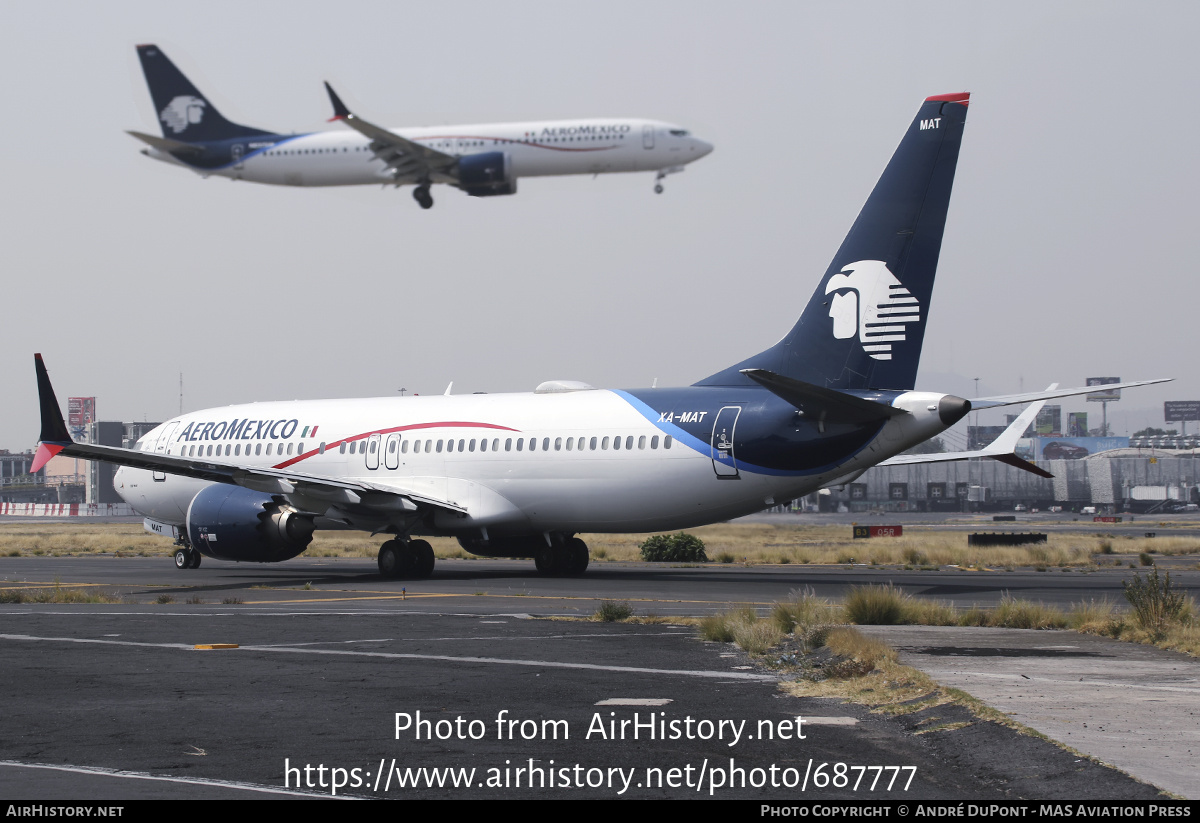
1137, 480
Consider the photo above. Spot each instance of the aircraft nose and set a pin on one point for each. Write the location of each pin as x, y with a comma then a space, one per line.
700, 148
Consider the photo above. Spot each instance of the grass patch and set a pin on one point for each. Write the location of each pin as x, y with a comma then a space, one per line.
611, 611
756, 637
753, 543
56, 594
1157, 605
1014, 613
875, 605
805, 610
163, 599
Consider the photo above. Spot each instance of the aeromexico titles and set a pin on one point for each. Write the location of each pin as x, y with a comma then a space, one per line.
522, 475
481, 160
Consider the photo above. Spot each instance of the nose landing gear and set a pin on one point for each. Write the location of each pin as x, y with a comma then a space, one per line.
187, 558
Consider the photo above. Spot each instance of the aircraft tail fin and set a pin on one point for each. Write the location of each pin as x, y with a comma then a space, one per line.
864, 325
185, 114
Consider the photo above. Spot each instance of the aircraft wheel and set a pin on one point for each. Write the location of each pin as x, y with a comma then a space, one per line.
658, 188
183, 558
548, 560
196, 558
423, 555
396, 560
576, 555
423, 197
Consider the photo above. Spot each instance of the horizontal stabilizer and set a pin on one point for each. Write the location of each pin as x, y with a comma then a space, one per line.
1029, 397
166, 144
1024, 465
819, 403
1001, 448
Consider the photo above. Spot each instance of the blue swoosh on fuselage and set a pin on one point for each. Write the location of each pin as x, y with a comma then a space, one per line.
769, 438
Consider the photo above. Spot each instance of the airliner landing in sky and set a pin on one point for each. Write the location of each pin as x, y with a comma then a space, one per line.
522, 475
482, 160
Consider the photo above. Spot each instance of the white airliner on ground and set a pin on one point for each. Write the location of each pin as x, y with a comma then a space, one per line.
521, 475
482, 160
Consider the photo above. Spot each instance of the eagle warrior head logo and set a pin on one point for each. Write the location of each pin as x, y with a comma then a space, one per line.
183, 111
871, 303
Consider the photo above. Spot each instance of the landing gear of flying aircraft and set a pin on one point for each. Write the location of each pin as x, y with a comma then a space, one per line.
187, 558
399, 560
423, 197
658, 186
569, 559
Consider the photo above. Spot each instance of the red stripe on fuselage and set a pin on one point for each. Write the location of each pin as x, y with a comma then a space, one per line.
452, 424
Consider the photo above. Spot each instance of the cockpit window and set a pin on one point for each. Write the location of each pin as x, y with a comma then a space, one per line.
679, 132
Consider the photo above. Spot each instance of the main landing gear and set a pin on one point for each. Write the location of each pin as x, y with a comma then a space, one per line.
566, 559
187, 558
422, 196
405, 560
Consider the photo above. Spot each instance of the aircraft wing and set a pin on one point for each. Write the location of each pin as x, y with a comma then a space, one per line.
1002, 448
344, 493
406, 159
1029, 397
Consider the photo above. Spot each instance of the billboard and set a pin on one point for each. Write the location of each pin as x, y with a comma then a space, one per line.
81, 413
1049, 421
1074, 448
1077, 424
1104, 396
1180, 411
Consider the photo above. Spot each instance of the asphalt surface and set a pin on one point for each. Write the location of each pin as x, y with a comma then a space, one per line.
114, 701
1136, 707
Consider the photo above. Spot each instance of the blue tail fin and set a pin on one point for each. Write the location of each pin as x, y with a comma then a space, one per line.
185, 114
864, 325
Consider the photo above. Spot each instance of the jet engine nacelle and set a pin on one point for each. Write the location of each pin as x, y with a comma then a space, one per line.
487, 174
233, 523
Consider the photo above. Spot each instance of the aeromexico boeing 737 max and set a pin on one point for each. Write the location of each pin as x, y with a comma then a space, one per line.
520, 475
482, 160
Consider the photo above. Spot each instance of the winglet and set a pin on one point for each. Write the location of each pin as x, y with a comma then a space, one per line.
340, 112
54, 437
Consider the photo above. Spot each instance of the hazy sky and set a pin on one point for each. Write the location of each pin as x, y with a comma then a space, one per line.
1068, 250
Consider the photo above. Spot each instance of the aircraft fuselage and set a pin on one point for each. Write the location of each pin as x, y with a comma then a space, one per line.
564, 462
535, 149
